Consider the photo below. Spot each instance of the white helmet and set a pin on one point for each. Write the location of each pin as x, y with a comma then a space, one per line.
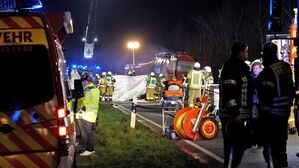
257, 60
247, 62
161, 75
109, 73
208, 69
104, 73
196, 65
152, 74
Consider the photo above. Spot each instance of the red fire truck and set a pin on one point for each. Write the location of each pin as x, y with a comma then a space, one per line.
173, 64
36, 129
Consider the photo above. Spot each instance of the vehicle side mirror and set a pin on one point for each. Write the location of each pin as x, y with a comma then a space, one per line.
78, 92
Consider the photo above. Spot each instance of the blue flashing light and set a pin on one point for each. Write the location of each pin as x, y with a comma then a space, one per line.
269, 21
16, 116
271, 6
31, 4
15, 5
74, 66
98, 67
33, 7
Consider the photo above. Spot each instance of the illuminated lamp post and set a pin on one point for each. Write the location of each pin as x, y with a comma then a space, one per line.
133, 45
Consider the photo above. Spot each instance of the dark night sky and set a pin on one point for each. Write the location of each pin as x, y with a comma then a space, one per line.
119, 21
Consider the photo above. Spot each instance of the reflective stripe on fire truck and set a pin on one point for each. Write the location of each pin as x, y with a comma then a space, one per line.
28, 135
16, 30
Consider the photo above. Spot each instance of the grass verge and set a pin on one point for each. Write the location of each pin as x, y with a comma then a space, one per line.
119, 146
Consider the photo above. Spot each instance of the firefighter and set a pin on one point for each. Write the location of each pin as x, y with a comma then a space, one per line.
110, 86
185, 87
161, 84
236, 90
275, 94
89, 106
151, 84
102, 86
209, 77
195, 85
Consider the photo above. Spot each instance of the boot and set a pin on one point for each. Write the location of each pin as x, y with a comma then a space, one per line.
292, 130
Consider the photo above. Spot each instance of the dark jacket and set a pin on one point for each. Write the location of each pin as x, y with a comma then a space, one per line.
276, 89
236, 90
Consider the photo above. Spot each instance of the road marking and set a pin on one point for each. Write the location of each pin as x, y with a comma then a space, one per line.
207, 152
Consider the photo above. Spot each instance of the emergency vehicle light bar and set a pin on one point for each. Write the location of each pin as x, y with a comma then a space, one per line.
15, 5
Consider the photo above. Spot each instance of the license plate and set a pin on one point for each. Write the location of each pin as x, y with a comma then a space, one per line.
7, 4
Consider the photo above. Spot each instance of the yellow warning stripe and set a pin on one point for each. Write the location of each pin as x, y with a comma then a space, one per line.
26, 117
23, 159
5, 163
3, 25
26, 161
44, 132
49, 136
38, 19
21, 22
8, 144
29, 140
23, 135
47, 159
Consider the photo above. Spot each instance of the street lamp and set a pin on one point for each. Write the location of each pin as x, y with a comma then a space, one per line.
133, 45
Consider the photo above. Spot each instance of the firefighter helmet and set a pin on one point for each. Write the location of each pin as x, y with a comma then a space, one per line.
109, 73
248, 62
208, 69
152, 74
104, 73
196, 65
86, 76
161, 75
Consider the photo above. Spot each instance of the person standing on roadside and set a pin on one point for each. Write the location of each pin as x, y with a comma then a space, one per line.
236, 90
276, 92
89, 106
256, 69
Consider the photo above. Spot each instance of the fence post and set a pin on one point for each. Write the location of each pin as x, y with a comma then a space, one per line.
133, 112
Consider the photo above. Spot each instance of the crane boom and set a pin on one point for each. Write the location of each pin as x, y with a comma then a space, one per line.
90, 35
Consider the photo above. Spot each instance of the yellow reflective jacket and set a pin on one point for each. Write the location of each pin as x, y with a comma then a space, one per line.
195, 79
91, 102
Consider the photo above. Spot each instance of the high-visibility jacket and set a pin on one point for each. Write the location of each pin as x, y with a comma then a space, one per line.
151, 82
91, 102
195, 78
275, 89
236, 90
102, 81
110, 80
